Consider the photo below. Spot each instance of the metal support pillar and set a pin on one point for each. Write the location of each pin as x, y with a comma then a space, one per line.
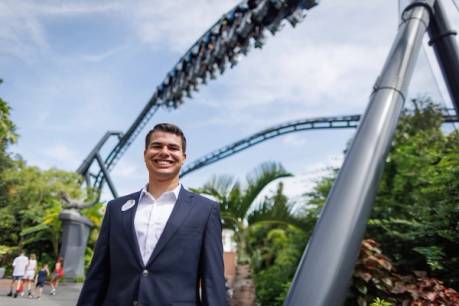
83, 169
443, 41
108, 179
325, 270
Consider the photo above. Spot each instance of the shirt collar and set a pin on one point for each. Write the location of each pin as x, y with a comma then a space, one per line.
174, 191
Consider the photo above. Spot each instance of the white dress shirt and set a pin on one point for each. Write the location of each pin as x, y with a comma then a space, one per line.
151, 218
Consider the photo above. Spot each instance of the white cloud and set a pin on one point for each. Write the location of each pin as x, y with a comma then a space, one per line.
126, 169
23, 34
175, 25
295, 140
62, 154
324, 166
326, 66
20, 34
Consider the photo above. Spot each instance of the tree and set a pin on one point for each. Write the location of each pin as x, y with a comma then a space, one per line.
235, 201
7, 128
30, 201
276, 240
416, 212
29, 217
415, 216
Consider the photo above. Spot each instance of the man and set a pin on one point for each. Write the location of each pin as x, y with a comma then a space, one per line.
19, 267
160, 246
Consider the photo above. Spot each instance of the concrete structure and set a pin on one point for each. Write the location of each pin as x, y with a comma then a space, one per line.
75, 232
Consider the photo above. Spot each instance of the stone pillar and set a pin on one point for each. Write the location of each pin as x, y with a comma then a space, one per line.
75, 232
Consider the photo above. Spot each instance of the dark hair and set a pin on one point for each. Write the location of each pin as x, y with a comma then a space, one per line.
168, 128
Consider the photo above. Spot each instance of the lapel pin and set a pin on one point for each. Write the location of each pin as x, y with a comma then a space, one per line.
127, 205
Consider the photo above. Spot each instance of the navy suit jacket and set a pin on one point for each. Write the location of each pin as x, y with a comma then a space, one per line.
185, 268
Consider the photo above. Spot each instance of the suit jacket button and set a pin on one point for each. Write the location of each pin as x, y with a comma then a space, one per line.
145, 272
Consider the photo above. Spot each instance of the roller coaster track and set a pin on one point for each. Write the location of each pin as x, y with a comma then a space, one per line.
231, 37
335, 122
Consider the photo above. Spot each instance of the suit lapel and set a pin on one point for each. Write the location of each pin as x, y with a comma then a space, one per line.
128, 222
179, 212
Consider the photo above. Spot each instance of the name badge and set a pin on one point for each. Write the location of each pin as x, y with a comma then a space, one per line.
127, 205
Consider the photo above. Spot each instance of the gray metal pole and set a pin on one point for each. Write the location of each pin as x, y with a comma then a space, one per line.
444, 43
108, 179
324, 273
84, 167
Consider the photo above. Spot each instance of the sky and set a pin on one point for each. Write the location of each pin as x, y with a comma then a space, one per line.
73, 70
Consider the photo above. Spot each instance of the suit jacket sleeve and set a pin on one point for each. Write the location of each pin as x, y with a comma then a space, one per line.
212, 268
96, 283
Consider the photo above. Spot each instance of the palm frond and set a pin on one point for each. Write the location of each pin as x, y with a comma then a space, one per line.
34, 229
218, 187
259, 179
278, 213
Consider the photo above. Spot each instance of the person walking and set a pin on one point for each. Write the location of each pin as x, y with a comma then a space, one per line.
161, 245
40, 280
19, 265
57, 274
29, 275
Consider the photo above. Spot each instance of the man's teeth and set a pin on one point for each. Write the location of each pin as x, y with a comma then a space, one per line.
163, 162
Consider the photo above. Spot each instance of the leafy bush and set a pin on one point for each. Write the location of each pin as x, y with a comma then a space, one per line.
375, 276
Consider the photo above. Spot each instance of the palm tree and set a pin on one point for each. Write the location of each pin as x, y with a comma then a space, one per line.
236, 201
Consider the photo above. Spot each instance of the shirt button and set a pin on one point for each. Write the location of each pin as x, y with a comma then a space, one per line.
145, 272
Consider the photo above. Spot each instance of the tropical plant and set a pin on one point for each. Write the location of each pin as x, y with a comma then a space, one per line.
276, 241
236, 201
380, 302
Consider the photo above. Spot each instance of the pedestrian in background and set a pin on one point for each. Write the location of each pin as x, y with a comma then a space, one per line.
40, 280
57, 275
19, 265
29, 275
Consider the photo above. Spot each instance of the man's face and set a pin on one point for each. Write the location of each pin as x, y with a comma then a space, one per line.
164, 155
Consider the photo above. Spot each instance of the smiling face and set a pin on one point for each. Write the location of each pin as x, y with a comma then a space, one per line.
164, 156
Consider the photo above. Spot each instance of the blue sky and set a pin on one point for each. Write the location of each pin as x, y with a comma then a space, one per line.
74, 69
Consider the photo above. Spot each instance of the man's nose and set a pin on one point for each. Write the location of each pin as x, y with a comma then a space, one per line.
164, 150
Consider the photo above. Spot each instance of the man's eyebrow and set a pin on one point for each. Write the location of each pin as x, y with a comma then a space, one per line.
164, 143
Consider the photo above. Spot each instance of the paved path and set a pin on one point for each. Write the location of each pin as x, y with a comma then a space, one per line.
67, 295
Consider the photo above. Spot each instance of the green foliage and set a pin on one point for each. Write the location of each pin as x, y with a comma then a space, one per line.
275, 247
416, 214
7, 128
275, 253
29, 217
30, 202
235, 201
270, 236
380, 302
95, 215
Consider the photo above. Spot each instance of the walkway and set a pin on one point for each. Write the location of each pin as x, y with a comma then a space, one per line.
67, 295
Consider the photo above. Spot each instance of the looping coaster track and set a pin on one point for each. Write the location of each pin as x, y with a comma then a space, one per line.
325, 269
335, 122
231, 37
